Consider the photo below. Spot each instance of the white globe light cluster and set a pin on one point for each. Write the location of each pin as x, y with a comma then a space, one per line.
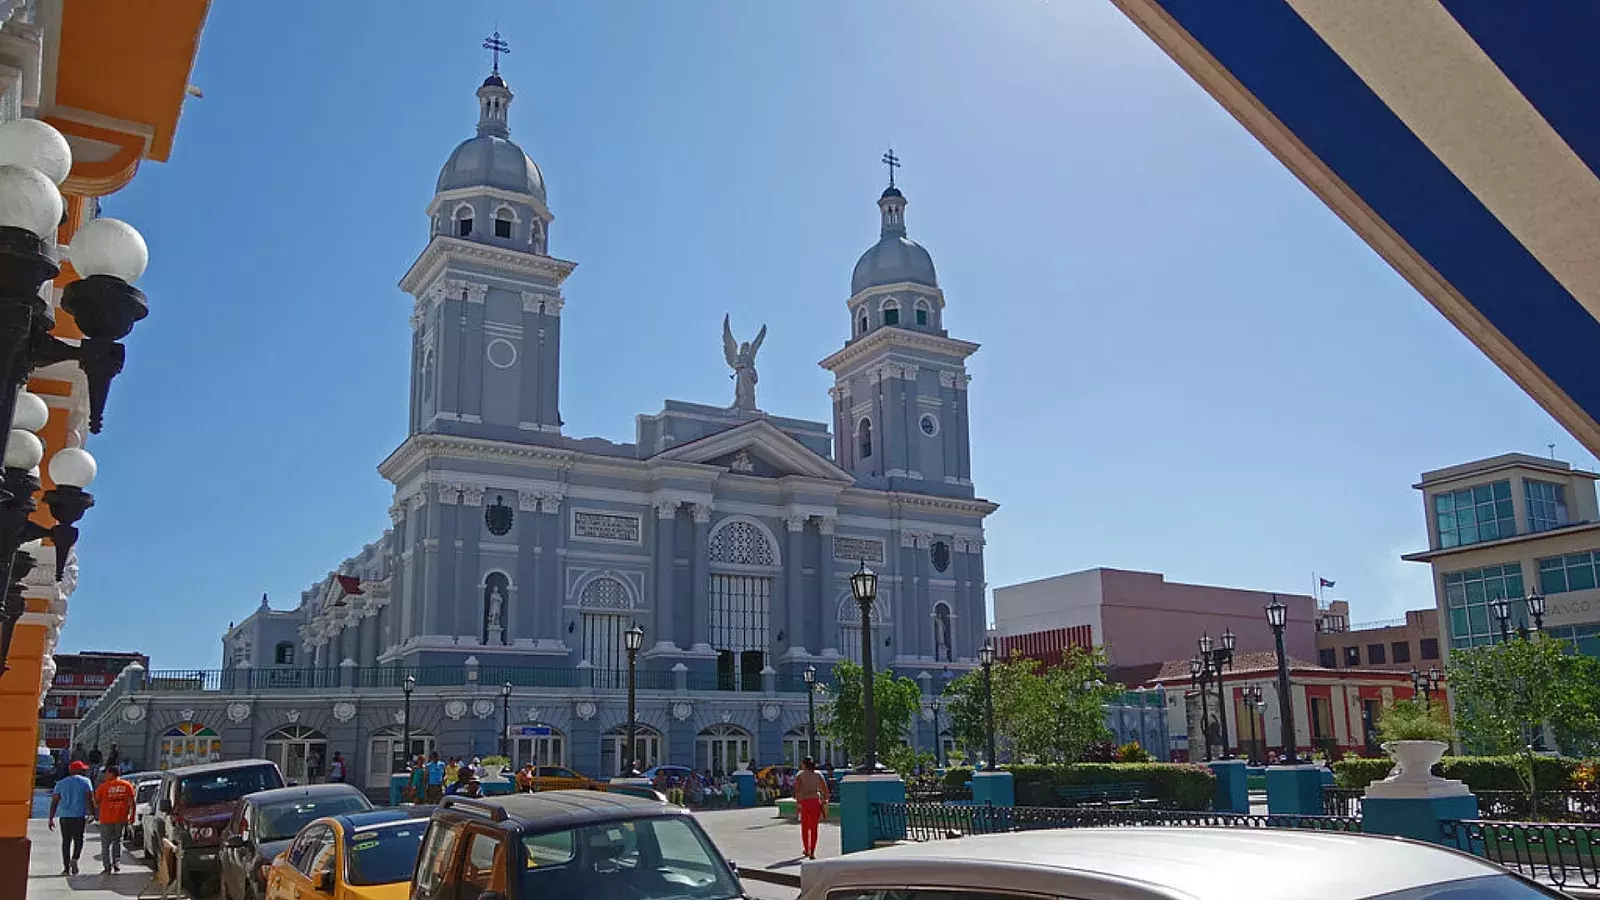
70, 467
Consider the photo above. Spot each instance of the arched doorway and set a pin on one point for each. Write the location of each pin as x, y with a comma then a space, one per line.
186, 744
386, 753
300, 752
537, 743
722, 749
613, 748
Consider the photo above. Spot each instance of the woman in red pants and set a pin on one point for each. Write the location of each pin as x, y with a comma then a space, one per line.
811, 794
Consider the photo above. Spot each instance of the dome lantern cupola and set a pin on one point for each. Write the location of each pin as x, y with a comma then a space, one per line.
895, 258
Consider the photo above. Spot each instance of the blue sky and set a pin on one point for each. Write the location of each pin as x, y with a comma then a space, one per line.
1189, 365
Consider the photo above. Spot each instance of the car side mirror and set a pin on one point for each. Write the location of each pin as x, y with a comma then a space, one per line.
325, 880
166, 806
734, 868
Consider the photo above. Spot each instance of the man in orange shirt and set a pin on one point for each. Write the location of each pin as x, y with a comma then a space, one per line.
113, 806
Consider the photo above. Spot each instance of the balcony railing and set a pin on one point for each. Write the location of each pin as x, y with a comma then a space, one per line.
240, 681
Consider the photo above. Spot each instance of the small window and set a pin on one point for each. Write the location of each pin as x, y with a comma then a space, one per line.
477, 874
863, 324
1429, 648
1327, 659
1400, 651
922, 316
283, 655
502, 223
1352, 657
464, 222
891, 316
864, 437
1377, 654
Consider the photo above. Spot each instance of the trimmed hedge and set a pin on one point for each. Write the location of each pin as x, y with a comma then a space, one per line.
1481, 773
1173, 785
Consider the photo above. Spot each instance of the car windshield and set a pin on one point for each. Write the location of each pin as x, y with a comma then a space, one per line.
226, 785
665, 858
281, 821
385, 854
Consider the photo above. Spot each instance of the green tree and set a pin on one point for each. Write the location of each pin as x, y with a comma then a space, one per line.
1052, 714
896, 699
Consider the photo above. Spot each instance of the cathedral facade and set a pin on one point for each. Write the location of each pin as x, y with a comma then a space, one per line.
520, 555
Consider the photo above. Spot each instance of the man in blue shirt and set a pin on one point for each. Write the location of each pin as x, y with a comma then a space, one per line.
435, 778
71, 799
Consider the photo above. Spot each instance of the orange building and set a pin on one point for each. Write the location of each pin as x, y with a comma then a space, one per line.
110, 75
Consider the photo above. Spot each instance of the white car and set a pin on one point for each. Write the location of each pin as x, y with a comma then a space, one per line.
143, 801
1164, 864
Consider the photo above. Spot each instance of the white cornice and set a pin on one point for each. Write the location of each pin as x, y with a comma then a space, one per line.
419, 448
890, 337
444, 250
899, 287
774, 444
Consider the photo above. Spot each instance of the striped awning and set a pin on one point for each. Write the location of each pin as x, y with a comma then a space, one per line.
1459, 138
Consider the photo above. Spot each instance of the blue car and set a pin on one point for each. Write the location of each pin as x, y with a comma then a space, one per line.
669, 771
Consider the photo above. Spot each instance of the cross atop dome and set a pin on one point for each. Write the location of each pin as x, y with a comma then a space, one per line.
496, 45
893, 162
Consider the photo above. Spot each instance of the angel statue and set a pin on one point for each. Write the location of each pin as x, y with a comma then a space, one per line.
742, 360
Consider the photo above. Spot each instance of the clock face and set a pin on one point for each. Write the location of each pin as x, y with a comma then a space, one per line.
930, 425
940, 551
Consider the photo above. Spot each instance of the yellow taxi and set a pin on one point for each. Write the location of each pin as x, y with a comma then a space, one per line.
558, 778
360, 856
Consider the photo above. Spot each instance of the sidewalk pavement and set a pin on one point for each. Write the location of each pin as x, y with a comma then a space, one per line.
45, 881
757, 839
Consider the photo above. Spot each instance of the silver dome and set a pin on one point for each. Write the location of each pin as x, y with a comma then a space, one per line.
492, 161
893, 259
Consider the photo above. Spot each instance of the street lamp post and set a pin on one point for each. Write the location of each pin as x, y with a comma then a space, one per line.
986, 658
1278, 618
938, 737
1500, 608
1196, 676
632, 640
810, 675
108, 255
1251, 694
407, 685
864, 586
1536, 610
1435, 682
505, 719
1214, 657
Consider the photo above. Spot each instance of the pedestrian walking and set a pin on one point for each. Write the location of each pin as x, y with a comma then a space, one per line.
70, 798
418, 788
113, 807
435, 778
336, 768
811, 793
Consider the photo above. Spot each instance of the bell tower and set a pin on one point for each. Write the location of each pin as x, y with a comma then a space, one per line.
900, 383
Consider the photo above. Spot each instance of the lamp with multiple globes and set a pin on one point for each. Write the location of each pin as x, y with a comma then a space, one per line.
1214, 657
505, 718
1500, 608
108, 256
407, 685
1536, 608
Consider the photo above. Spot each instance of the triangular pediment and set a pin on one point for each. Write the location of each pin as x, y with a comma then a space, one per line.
760, 449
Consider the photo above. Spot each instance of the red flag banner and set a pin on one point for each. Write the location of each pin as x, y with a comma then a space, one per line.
349, 584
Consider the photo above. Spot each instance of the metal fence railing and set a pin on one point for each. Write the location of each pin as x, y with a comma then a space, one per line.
1544, 806
1338, 801
1555, 853
938, 821
937, 793
288, 679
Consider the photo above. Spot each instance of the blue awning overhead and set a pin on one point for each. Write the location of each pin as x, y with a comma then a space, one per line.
1459, 138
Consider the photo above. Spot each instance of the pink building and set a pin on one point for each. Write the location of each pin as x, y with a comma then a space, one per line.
1142, 618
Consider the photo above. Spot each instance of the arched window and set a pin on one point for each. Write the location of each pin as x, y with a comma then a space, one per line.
427, 374
722, 748
941, 632
283, 654
537, 743
536, 236
604, 604
741, 601
503, 219
923, 313
387, 752
614, 748
864, 438
863, 324
891, 312
187, 744
850, 627
464, 221
300, 752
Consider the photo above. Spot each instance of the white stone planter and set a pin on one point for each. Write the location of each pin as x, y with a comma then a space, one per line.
1412, 776
493, 773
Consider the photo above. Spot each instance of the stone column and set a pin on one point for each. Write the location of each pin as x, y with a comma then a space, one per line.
824, 622
530, 600
369, 638
698, 565
949, 429
554, 594
911, 417
961, 645
470, 617
880, 426
666, 522
794, 584
963, 467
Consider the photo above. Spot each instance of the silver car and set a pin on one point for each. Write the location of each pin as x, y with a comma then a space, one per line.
1164, 864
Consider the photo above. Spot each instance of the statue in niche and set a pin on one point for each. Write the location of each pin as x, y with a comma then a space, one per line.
742, 360
494, 605
941, 634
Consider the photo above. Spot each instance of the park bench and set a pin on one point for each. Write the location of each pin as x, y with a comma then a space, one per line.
1122, 792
